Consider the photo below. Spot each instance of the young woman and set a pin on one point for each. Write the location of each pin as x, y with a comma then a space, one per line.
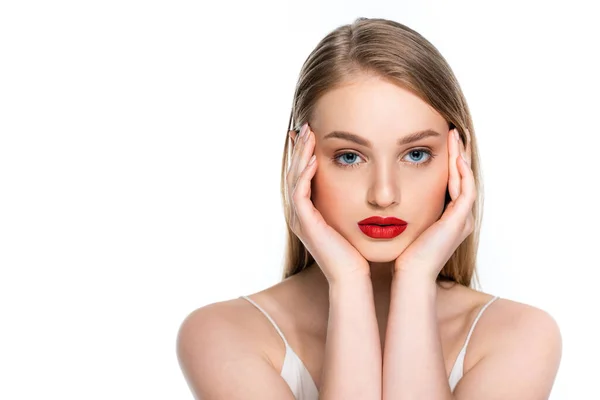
382, 195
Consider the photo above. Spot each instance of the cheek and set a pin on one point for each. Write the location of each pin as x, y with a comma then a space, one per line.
422, 196
332, 193
434, 199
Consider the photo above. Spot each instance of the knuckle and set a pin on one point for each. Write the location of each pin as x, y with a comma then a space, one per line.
295, 190
291, 181
298, 229
469, 224
294, 222
296, 197
473, 196
294, 227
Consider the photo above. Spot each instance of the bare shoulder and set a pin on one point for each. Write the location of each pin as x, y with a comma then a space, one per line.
504, 320
511, 322
520, 351
219, 352
508, 323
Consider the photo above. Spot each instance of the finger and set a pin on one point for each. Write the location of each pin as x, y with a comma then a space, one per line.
301, 194
305, 151
453, 174
468, 192
292, 134
296, 135
294, 171
468, 146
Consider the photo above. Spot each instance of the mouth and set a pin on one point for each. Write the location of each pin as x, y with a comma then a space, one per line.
382, 227
382, 231
382, 221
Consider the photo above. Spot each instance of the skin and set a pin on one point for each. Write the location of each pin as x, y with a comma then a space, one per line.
235, 335
384, 180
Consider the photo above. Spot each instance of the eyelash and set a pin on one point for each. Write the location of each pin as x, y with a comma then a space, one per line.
414, 164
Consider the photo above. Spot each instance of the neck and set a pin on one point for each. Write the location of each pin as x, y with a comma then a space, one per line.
316, 287
381, 279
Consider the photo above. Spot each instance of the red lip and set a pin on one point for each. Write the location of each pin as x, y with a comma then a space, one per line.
382, 227
382, 221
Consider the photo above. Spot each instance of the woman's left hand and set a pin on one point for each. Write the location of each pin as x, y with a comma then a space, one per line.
428, 253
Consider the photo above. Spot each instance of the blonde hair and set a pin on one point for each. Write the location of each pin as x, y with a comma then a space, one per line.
402, 56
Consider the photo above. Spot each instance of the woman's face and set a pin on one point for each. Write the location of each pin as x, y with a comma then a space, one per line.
355, 181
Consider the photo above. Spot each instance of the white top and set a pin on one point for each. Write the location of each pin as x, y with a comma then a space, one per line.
303, 386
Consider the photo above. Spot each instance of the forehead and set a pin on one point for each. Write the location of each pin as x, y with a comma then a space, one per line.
371, 106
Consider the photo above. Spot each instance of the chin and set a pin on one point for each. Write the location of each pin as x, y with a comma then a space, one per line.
380, 252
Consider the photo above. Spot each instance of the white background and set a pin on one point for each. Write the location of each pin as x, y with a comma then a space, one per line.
140, 157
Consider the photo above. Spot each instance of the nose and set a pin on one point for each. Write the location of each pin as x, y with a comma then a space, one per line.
383, 191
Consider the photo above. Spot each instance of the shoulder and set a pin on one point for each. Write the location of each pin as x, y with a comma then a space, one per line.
522, 352
219, 353
208, 333
226, 323
513, 324
507, 322
205, 320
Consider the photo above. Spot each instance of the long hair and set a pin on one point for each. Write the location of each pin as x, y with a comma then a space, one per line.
402, 56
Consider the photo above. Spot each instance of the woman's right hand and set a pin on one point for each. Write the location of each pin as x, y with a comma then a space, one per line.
336, 257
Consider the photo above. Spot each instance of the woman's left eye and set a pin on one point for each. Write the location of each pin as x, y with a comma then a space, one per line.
347, 158
418, 155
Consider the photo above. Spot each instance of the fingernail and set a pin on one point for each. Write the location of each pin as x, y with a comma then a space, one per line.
303, 130
456, 135
306, 136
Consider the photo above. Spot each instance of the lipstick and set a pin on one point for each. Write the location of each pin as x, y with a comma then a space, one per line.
382, 227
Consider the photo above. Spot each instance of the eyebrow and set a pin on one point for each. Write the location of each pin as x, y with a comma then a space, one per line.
410, 138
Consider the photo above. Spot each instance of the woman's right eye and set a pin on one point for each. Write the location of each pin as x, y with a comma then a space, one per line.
347, 160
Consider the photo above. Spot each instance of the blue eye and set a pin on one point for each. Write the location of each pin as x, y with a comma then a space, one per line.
419, 153
347, 157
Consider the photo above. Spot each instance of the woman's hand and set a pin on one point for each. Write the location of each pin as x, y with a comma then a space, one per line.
427, 255
336, 257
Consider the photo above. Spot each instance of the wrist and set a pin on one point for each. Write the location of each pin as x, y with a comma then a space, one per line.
416, 275
414, 285
351, 279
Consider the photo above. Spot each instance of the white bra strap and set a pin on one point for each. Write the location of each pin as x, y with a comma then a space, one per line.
477, 319
268, 317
